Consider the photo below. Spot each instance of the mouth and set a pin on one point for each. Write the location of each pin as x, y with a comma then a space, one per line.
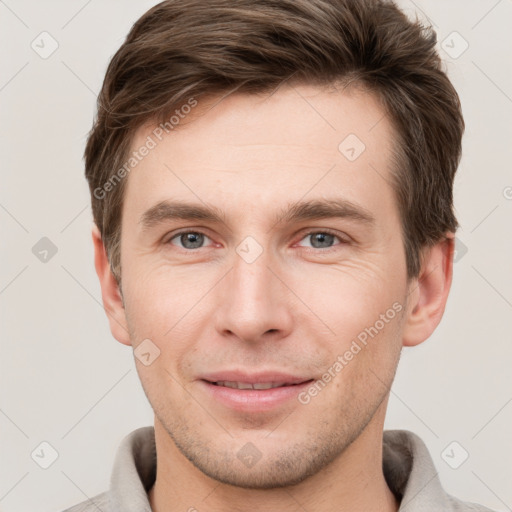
254, 393
256, 385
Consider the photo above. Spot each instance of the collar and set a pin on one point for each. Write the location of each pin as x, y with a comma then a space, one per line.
407, 465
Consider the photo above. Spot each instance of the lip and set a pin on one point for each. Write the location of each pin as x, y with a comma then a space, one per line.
253, 400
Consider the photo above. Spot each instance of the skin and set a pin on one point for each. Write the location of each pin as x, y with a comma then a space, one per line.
296, 308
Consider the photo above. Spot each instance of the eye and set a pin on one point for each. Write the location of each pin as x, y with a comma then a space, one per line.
189, 239
322, 239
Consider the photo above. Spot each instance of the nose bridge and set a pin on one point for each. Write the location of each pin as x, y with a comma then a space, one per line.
251, 276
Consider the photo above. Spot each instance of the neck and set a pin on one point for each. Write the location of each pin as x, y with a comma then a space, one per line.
353, 481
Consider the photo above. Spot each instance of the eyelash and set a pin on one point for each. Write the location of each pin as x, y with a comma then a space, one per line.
343, 241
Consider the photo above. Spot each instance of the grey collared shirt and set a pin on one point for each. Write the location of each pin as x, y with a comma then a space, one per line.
407, 465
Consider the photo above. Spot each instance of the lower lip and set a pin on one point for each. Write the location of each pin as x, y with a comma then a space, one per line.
253, 400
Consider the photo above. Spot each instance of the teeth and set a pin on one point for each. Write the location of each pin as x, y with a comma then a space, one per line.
263, 385
246, 385
241, 385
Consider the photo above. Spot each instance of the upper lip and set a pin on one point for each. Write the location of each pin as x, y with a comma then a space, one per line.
254, 378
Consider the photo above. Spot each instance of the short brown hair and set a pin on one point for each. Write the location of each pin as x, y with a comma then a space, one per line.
188, 48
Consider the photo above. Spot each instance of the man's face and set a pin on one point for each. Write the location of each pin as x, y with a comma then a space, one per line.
259, 296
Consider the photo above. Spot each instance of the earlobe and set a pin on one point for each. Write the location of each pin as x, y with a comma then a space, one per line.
429, 292
111, 296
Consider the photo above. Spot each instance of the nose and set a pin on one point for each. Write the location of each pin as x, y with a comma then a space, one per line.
254, 303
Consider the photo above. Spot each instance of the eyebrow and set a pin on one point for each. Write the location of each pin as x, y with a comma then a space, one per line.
324, 209
173, 210
294, 212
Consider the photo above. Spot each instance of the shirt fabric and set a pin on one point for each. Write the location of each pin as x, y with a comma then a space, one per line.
407, 465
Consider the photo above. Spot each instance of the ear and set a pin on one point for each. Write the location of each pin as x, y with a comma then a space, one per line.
112, 300
428, 293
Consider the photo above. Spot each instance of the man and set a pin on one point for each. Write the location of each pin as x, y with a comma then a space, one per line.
271, 184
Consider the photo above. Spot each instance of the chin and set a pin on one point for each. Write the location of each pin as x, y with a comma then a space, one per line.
267, 466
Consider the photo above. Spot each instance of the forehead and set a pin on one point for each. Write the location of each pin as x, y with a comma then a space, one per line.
255, 151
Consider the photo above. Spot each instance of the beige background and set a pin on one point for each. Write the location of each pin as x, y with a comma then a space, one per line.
67, 382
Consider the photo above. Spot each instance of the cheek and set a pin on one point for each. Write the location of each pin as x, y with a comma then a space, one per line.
166, 305
162, 295
348, 298
360, 312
